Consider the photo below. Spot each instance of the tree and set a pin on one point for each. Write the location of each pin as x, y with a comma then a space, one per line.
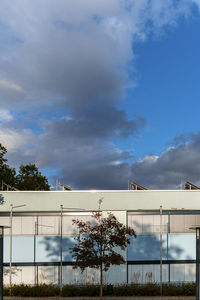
7, 174
96, 243
30, 179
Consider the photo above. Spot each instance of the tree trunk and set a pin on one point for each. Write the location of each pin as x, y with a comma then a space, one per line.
101, 281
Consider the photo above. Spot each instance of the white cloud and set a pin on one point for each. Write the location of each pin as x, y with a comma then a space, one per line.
6, 84
5, 115
16, 140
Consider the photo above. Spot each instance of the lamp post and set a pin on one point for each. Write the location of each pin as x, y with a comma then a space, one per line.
161, 250
10, 264
197, 229
1, 260
61, 240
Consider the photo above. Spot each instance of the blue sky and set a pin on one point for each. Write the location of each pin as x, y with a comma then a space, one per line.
167, 94
97, 93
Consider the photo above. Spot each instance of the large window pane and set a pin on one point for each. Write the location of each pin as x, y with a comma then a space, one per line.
69, 228
147, 224
23, 249
182, 246
147, 247
23, 225
48, 274
182, 223
147, 273
20, 275
48, 225
48, 248
75, 276
182, 272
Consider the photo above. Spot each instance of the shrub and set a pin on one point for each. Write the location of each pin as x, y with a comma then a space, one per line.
80, 290
150, 289
181, 289
23, 290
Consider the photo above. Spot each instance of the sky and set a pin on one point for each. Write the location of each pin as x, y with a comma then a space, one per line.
99, 93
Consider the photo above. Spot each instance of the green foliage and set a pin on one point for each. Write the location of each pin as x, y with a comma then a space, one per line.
7, 174
185, 289
151, 289
80, 290
42, 290
30, 179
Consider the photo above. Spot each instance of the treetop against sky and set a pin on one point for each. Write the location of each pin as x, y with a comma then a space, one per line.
97, 93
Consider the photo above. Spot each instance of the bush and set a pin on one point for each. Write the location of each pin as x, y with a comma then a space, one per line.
80, 290
151, 289
23, 290
181, 289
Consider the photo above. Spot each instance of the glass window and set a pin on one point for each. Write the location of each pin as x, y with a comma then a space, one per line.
23, 249
6, 249
146, 247
182, 272
147, 224
48, 248
48, 275
69, 228
20, 275
182, 246
115, 275
147, 273
23, 225
75, 276
48, 225
182, 223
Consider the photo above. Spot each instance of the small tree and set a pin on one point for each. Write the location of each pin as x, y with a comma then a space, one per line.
96, 243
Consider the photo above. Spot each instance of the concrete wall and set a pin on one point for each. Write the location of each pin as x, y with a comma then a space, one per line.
112, 200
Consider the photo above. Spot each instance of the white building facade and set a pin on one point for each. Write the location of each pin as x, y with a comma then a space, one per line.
161, 219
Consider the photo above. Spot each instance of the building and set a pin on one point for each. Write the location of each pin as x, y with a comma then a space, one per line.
161, 219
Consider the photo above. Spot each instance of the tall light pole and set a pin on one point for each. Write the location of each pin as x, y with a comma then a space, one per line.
10, 264
61, 240
197, 229
161, 250
1, 260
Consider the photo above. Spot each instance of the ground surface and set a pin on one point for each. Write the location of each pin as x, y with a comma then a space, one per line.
106, 298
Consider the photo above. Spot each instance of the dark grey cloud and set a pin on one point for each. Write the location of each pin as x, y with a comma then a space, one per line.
172, 168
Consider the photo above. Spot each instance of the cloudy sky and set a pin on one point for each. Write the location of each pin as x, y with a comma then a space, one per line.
99, 92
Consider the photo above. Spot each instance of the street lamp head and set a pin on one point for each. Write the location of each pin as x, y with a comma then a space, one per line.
73, 208
194, 227
16, 206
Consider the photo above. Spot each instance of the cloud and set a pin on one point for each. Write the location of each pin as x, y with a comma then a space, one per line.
75, 57
8, 85
173, 167
5, 115
19, 144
